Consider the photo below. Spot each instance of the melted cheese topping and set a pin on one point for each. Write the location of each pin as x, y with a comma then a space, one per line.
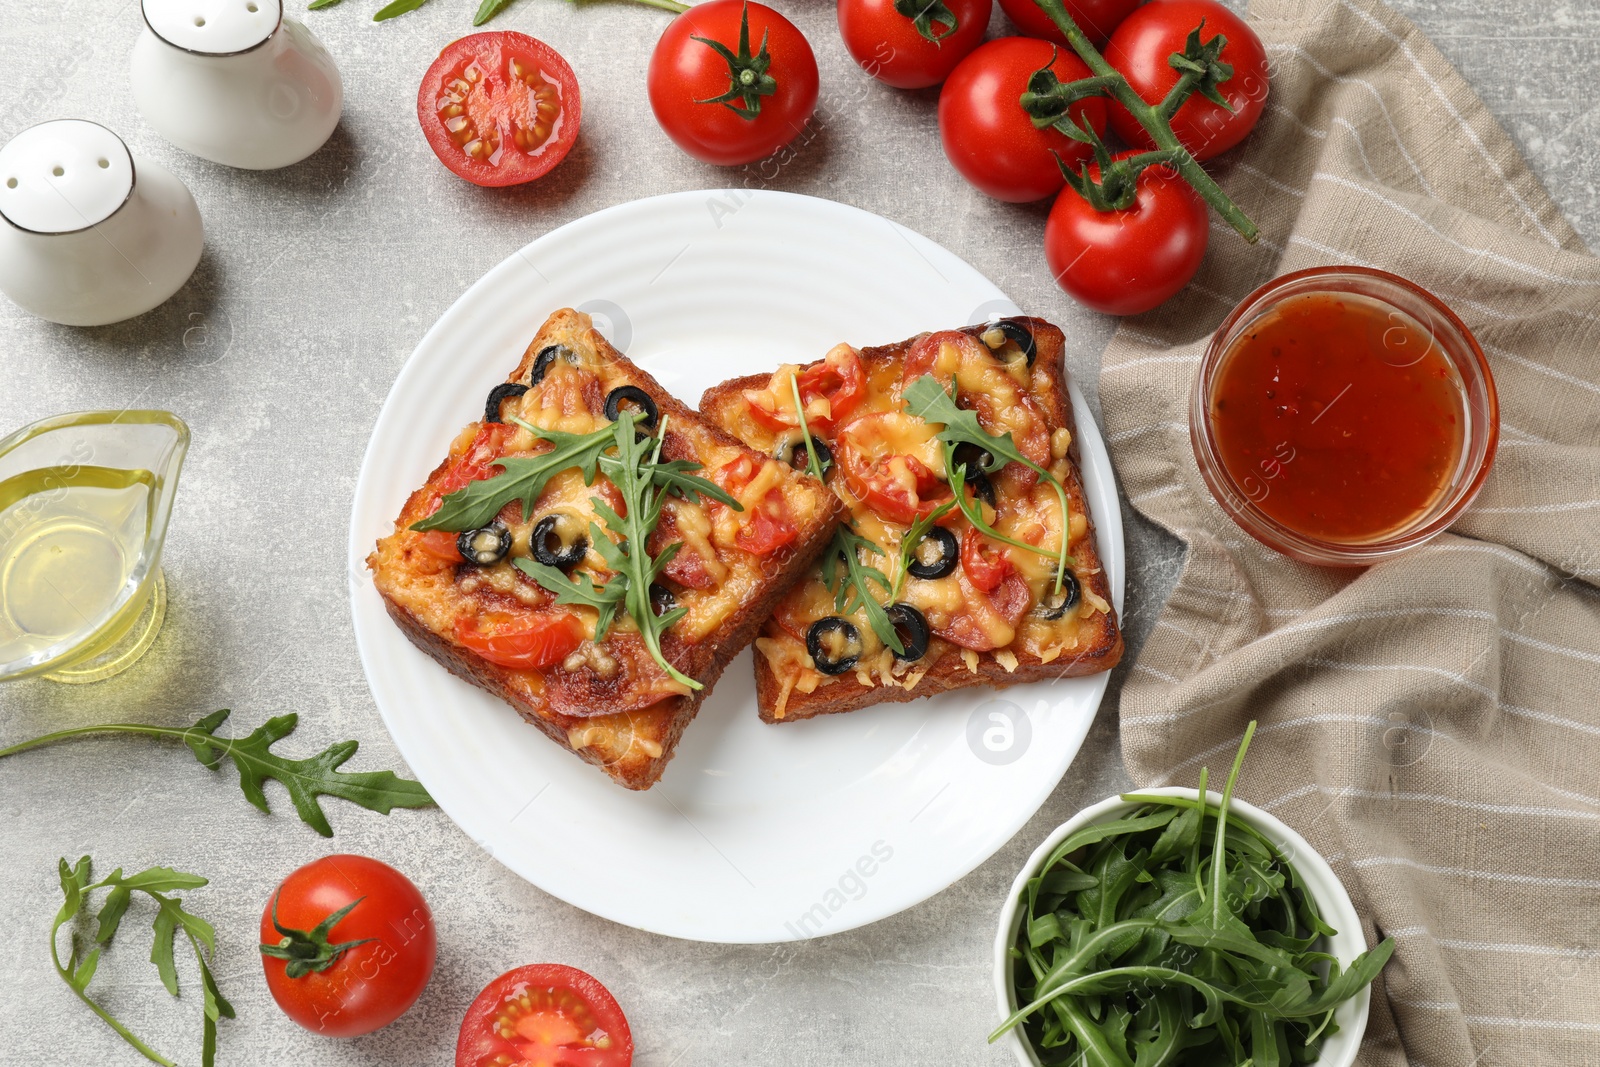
879, 428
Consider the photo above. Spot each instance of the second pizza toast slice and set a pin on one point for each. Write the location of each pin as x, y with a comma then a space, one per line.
594, 552
968, 557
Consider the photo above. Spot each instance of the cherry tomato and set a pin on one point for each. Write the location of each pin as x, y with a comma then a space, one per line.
344, 991
440, 545
985, 566
840, 380
1140, 48
897, 488
987, 135
544, 1015
521, 642
912, 51
477, 462
499, 108
768, 528
688, 79
1127, 262
1096, 18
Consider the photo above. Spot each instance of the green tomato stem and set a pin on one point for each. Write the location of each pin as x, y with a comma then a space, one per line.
1155, 123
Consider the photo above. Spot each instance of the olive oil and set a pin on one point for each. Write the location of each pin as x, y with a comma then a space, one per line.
70, 538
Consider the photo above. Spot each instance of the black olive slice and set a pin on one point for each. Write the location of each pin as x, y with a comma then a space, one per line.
486, 546
1053, 605
499, 395
1001, 332
661, 599
795, 455
547, 355
912, 628
834, 644
948, 549
558, 541
982, 488
638, 398
974, 459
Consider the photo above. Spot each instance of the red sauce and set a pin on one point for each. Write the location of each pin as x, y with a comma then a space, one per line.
1338, 416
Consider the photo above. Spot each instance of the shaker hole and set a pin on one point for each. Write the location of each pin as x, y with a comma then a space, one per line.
252, 8
57, 171
105, 164
198, 21
11, 183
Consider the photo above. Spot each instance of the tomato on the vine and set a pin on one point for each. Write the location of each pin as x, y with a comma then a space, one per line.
988, 136
721, 102
359, 971
912, 44
499, 108
1129, 261
1096, 18
545, 1015
1140, 48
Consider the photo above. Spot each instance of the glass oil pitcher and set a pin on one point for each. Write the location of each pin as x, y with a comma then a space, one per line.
84, 504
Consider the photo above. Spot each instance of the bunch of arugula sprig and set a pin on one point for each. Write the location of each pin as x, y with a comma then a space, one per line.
852, 586
633, 464
1175, 935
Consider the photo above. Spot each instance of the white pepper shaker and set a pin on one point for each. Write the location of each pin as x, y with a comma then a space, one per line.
235, 82
91, 234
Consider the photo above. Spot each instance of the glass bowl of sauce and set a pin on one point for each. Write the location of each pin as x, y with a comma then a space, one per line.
1343, 415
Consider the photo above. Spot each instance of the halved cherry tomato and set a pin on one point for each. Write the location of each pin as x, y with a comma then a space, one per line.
441, 545
499, 108
986, 567
768, 528
895, 487
840, 380
477, 462
521, 642
736, 474
544, 1015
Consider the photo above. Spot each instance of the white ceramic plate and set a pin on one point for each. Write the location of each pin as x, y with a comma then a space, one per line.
756, 833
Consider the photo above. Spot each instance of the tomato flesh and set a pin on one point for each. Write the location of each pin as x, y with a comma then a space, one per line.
544, 1015
768, 529
499, 108
531, 642
985, 567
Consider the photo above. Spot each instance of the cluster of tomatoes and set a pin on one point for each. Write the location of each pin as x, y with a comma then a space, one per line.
348, 944
734, 81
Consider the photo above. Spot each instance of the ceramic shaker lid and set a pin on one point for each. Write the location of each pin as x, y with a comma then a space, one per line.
62, 176
214, 27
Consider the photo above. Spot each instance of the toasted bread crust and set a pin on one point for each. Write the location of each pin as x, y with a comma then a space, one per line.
950, 671
620, 743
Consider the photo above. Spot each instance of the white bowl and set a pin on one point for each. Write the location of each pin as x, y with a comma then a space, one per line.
1318, 878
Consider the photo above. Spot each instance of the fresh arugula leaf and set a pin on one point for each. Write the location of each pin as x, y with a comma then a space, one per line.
521, 478
171, 917
914, 535
634, 466
813, 461
855, 584
488, 10
305, 779
929, 401
579, 589
318, 5
397, 8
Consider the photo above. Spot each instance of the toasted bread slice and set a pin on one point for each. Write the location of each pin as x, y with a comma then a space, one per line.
498, 624
984, 630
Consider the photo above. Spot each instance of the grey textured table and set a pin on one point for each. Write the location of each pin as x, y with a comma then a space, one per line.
316, 283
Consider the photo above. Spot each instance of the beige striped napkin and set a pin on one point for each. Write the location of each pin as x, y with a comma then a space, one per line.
1431, 724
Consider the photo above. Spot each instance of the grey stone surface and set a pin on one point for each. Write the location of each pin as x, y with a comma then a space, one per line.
316, 283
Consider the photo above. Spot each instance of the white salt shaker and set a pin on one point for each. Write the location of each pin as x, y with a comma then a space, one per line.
235, 82
90, 234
